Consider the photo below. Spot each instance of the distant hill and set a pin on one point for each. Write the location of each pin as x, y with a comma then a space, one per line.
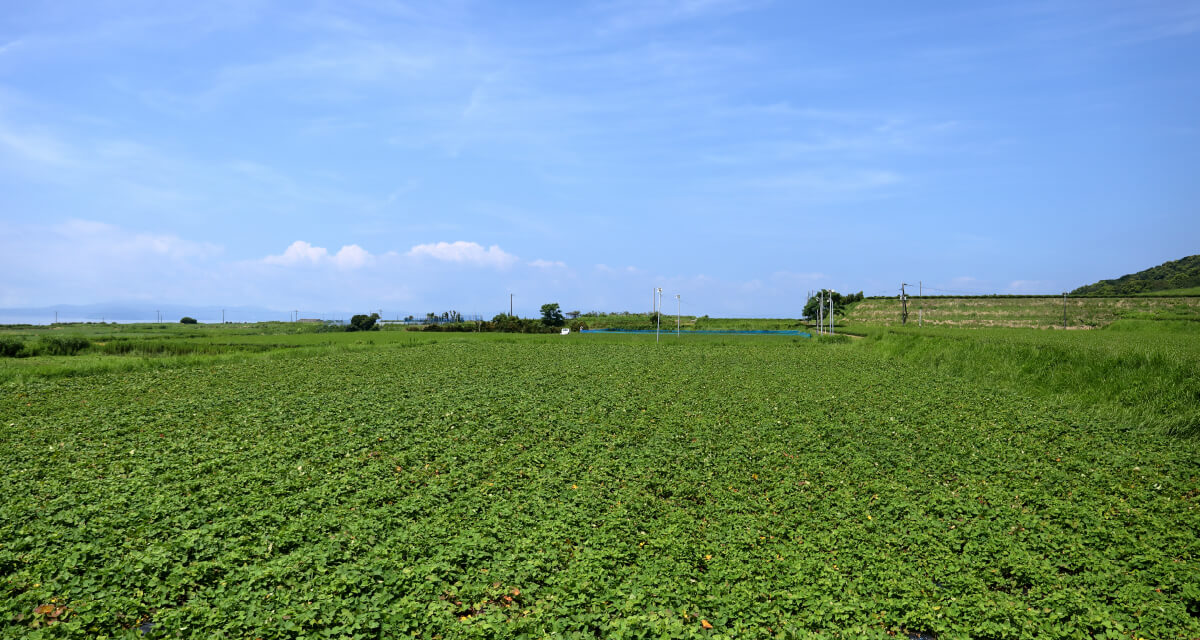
1177, 274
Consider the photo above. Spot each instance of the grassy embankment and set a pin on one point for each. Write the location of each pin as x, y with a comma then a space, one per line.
1190, 291
1033, 312
1140, 374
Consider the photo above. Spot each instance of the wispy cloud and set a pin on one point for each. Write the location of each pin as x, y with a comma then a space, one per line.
548, 264
824, 184
99, 238
1029, 286
34, 146
9, 46
620, 15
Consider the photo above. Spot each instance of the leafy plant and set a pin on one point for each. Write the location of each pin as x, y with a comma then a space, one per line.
944, 484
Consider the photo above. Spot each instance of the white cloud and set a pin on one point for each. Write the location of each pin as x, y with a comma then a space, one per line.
300, 252
465, 253
351, 256
548, 264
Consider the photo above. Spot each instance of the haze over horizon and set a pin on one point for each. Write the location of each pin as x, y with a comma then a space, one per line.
739, 153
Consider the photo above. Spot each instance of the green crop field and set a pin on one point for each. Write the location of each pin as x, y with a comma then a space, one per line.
1032, 312
248, 482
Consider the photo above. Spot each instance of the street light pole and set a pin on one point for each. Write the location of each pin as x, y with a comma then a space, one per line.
658, 316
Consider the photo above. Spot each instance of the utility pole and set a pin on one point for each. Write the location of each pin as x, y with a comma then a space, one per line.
222, 316
921, 297
1064, 310
831, 314
904, 303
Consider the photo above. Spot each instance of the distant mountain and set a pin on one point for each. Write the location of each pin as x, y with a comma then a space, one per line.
1177, 274
126, 312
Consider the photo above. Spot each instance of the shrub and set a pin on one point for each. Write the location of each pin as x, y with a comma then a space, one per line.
187, 320
363, 322
11, 347
60, 346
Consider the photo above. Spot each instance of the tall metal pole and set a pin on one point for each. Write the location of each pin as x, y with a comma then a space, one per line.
1064, 310
678, 310
658, 316
830, 315
510, 305
921, 310
820, 312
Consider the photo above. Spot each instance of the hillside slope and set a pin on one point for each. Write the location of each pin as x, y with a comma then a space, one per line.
1176, 274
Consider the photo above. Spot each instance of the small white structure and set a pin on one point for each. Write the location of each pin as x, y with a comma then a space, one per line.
565, 331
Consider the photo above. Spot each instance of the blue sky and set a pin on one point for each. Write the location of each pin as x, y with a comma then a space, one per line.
422, 157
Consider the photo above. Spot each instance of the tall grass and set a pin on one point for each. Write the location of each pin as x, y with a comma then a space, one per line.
177, 347
1137, 377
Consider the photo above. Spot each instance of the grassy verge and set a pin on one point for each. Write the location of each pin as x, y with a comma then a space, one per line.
1140, 374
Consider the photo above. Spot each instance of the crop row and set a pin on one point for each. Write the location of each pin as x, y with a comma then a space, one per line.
534, 488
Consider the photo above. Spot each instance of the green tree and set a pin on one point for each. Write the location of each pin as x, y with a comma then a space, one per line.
552, 316
187, 320
840, 302
363, 322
